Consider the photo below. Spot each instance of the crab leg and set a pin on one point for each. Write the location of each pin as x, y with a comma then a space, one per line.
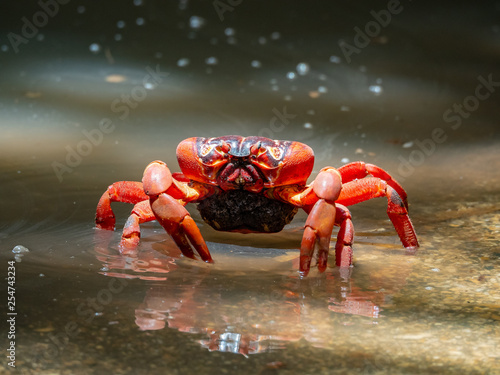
141, 213
343, 247
170, 213
359, 170
371, 187
122, 191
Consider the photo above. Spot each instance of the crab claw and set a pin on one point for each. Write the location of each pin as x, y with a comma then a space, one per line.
319, 226
171, 214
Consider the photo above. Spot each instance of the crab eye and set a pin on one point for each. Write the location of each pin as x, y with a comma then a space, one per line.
254, 150
223, 147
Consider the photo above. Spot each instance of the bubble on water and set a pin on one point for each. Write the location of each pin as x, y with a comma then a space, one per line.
211, 60
344, 160
308, 125
302, 68
322, 89
291, 75
429, 288
196, 22
435, 270
139, 21
229, 31
183, 62
149, 86
335, 59
120, 24
80, 9
118, 37
408, 144
42, 275
376, 89
262, 40
275, 36
256, 64
19, 249
95, 48
5, 48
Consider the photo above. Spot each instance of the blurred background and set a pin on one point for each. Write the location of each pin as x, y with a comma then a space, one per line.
91, 92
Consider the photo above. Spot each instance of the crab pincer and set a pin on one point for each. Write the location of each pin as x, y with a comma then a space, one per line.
171, 214
321, 219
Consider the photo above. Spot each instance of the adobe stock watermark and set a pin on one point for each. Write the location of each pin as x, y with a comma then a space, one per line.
277, 123
87, 310
453, 116
40, 19
94, 137
223, 6
372, 29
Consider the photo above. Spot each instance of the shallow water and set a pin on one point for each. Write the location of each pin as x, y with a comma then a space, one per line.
84, 308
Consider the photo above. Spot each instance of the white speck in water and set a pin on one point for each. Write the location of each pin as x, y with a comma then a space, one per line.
149, 86
256, 64
196, 22
98, 313
95, 48
344, 160
229, 31
408, 144
291, 75
120, 24
345, 108
435, 270
322, 89
262, 40
18, 172
118, 37
80, 9
19, 249
42, 275
183, 62
138, 3
308, 125
211, 60
376, 89
303, 68
275, 36
429, 288
139, 21
335, 59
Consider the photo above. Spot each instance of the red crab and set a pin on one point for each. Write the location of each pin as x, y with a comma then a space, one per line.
254, 184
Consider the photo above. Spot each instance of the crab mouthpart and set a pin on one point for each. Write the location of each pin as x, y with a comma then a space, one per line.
240, 176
